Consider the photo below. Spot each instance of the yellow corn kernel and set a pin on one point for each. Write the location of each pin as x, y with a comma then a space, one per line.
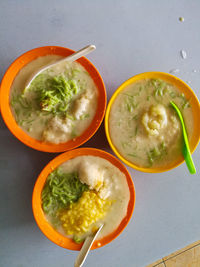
80, 216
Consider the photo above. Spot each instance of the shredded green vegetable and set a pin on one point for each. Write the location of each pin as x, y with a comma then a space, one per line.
184, 102
156, 153
124, 144
148, 97
159, 87
130, 103
53, 93
85, 116
132, 155
60, 190
22, 101
75, 72
135, 117
136, 130
46, 96
77, 239
172, 94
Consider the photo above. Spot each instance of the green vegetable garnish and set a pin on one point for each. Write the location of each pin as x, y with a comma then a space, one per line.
85, 116
21, 101
135, 117
159, 87
130, 104
172, 94
46, 95
156, 153
54, 93
77, 239
185, 103
136, 130
60, 190
75, 72
133, 155
124, 144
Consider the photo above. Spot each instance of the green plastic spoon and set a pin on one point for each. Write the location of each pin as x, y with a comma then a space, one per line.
186, 148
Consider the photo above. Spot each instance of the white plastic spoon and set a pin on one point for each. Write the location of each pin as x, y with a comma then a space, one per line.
82, 52
86, 248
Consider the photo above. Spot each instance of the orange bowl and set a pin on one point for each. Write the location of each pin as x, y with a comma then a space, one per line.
182, 87
9, 119
43, 224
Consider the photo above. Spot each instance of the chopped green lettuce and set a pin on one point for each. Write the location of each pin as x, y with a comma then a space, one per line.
77, 239
156, 153
60, 190
159, 87
53, 94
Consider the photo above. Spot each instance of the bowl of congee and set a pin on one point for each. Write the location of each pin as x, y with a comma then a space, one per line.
63, 106
79, 191
142, 127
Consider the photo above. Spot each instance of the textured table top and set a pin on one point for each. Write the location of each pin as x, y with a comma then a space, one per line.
131, 37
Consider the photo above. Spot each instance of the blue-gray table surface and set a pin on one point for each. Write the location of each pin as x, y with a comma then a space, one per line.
131, 37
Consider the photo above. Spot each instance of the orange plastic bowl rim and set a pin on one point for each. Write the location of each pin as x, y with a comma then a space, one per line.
8, 117
183, 87
38, 213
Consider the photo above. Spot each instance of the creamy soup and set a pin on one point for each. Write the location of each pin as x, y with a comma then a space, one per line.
144, 127
83, 193
59, 104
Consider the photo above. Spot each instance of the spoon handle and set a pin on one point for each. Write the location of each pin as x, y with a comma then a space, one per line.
186, 147
189, 160
86, 248
80, 53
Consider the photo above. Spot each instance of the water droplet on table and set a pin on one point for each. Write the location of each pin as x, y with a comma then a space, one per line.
183, 54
